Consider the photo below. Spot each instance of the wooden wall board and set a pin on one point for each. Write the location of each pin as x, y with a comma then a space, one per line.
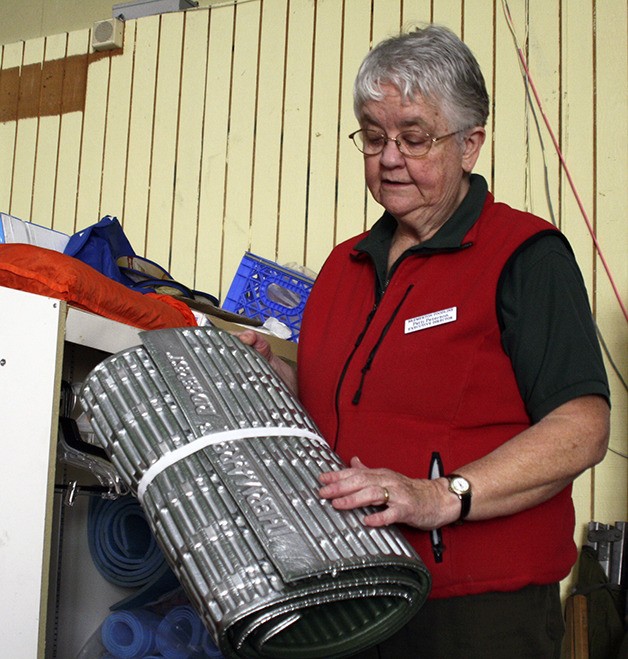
49, 122
25, 153
269, 129
324, 134
209, 266
116, 130
88, 209
9, 94
296, 133
189, 147
141, 122
351, 192
70, 137
241, 138
163, 155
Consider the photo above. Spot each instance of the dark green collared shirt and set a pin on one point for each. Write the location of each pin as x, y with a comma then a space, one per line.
542, 305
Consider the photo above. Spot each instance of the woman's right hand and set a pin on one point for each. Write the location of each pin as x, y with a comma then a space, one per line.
258, 342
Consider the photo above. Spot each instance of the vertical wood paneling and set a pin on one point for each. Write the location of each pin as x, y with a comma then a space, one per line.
163, 163
416, 12
449, 14
611, 113
324, 133
477, 29
48, 129
137, 175
577, 144
544, 59
116, 133
386, 21
88, 208
26, 133
214, 163
9, 84
237, 220
189, 145
351, 188
296, 128
509, 120
268, 129
70, 136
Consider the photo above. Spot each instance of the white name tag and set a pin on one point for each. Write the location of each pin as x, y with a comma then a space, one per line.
431, 320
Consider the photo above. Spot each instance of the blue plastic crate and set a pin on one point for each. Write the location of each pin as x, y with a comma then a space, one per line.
263, 289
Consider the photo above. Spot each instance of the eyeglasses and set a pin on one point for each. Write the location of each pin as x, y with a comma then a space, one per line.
411, 143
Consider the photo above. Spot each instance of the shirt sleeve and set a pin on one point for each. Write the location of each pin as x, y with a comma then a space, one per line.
548, 330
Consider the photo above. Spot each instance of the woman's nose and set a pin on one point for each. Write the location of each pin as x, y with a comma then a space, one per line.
390, 155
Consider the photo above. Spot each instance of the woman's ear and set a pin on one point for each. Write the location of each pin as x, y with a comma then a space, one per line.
473, 142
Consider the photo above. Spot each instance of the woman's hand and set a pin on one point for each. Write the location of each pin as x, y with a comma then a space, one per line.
261, 345
424, 504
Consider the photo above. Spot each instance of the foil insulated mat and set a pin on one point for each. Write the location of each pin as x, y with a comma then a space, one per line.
225, 462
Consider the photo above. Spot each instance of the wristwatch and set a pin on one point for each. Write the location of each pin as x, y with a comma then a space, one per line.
461, 487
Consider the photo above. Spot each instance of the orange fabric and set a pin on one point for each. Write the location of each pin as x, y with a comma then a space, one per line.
46, 272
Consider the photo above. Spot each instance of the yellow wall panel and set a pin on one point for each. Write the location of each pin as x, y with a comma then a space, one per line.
324, 137
163, 155
70, 134
295, 146
509, 121
48, 132
9, 83
239, 174
268, 129
116, 135
92, 144
26, 133
416, 12
611, 110
477, 28
142, 103
214, 155
189, 146
351, 188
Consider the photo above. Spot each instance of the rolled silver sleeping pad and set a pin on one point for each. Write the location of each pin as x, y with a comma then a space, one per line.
225, 462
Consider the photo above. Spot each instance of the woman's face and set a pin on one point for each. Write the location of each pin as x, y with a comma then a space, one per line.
420, 193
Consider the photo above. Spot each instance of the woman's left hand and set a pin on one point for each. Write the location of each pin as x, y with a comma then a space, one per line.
424, 504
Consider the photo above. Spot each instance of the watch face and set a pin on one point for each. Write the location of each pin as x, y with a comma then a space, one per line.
460, 485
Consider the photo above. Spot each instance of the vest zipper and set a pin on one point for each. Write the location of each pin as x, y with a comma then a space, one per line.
369, 360
356, 345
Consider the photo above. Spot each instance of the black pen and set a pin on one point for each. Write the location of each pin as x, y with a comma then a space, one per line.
436, 536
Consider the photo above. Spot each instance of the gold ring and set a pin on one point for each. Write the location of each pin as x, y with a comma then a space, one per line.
386, 495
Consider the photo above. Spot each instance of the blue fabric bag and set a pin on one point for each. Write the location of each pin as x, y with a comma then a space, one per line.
100, 246
105, 247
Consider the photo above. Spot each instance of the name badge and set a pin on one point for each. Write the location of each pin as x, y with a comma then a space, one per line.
431, 320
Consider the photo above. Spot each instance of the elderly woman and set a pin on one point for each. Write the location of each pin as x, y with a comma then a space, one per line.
449, 356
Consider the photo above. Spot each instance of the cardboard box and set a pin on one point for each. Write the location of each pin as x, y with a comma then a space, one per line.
14, 230
233, 323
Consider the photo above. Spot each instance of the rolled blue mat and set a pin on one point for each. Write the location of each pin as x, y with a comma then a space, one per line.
210, 648
181, 634
130, 634
121, 543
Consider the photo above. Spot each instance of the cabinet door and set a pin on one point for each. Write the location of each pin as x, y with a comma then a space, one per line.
31, 345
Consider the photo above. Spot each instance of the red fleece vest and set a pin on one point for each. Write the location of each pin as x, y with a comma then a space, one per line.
428, 373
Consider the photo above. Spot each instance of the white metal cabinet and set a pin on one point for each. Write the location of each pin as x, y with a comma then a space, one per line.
41, 338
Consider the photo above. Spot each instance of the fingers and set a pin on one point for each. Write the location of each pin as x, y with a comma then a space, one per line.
256, 341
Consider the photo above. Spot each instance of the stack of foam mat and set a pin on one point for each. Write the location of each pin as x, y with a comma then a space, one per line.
225, 463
